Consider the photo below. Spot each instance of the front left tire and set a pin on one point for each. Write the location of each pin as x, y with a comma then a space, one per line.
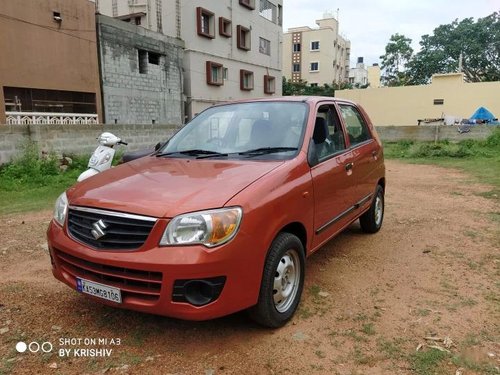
282, 282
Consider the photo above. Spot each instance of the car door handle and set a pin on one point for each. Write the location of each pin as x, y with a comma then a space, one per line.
374, 153
348, 166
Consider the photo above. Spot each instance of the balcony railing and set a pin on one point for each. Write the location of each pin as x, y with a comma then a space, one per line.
29, 118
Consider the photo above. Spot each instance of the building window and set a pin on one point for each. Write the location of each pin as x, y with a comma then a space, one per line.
246, 80
250, 4
215, 74
313, 85
314, 67
138, 20
205, 23
225, 73
315, 45
280, 15
296, 67
143, 61
296, 47
438, 101
225, 27
269, 84
265, 46
267, 10
243, 39
154, 58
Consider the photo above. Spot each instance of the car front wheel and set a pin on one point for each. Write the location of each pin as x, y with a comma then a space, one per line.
282, 282
371, 220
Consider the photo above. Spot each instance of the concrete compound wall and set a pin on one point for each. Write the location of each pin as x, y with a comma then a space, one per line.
81, 139
405, 105
429, 133
78, 139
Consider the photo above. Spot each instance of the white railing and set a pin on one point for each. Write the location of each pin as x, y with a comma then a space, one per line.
28, 118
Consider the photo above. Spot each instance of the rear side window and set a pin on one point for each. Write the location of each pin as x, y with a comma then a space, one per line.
356, 127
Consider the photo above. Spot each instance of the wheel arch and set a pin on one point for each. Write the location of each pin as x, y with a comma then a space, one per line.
297, 229
381, 182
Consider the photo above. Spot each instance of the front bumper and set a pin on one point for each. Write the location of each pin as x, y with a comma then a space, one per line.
147, 276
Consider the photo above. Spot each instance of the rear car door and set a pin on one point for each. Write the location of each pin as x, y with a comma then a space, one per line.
365, 151
332, 178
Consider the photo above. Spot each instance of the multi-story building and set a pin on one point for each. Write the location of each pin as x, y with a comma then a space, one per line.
318, 56
358, 76
49, 68
232, 47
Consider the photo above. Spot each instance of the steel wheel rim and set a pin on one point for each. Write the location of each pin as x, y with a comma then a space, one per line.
286, 280
379, 208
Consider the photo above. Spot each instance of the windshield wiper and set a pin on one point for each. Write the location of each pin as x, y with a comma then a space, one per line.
266, 150
200, 154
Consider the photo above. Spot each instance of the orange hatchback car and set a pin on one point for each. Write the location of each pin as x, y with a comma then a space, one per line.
222, 217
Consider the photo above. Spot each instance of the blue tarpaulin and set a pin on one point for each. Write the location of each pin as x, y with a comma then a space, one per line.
483, 114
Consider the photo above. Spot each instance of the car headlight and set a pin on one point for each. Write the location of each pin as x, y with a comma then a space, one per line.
209, 228
60, 209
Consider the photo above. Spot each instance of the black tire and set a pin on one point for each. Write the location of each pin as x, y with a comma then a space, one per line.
285, 248
371, 220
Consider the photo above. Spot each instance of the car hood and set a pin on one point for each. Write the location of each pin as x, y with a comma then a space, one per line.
166, 187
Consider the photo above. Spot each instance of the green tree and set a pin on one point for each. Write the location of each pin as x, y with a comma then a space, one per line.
398, 53
477, 44
302, 88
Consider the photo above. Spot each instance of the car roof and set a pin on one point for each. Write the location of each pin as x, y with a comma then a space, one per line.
303, 99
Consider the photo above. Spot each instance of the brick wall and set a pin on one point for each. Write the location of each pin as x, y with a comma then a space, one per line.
78, 139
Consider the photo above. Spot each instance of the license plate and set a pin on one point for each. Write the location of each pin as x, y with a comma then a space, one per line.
99, 290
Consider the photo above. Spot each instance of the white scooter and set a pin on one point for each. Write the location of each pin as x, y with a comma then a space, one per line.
103, 155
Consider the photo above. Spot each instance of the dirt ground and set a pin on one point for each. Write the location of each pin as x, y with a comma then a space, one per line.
369, 300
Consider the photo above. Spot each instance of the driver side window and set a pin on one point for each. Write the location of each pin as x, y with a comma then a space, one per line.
328, 135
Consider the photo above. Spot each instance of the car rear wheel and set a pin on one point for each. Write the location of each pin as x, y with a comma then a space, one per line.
282, 282
371, 220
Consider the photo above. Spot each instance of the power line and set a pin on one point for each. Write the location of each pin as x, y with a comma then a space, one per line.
50, 28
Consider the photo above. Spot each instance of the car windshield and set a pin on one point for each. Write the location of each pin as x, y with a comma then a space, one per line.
260, 130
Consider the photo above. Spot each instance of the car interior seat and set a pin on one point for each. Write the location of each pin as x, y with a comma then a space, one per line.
320, 138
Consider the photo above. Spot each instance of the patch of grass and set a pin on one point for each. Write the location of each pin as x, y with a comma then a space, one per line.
34, 181
360, 317
352, 334
304, 312
391, 348
427, 362
479, 158
361, 358
314, 290
481, 368
368, 329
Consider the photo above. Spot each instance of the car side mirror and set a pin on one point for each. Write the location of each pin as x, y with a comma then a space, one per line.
312, 156
158, 146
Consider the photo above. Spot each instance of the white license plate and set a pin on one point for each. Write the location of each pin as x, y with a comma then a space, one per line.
99, 290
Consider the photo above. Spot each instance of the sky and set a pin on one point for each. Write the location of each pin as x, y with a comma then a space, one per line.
370, 24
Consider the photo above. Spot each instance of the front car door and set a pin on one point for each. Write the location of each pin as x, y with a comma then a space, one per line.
331, 175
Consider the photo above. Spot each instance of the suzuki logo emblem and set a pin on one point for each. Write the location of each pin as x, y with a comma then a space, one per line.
98, 230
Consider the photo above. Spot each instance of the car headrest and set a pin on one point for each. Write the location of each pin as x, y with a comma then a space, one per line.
262, 133
320, 130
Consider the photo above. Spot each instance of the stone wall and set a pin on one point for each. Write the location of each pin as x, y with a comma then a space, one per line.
141, 74
78, 139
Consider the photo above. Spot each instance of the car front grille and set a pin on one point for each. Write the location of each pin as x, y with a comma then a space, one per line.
118, 231
144, 286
